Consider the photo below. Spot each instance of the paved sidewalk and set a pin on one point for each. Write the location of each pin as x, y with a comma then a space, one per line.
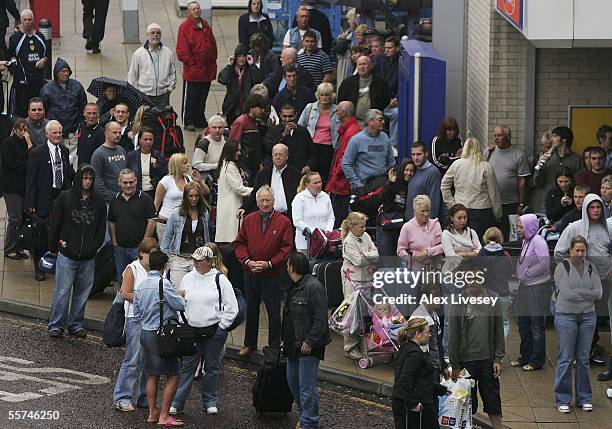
527, 397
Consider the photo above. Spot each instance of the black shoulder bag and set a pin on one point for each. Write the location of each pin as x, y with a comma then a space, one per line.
175, 339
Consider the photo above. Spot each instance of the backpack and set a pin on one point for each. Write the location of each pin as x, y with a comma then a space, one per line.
168, 137
241, 316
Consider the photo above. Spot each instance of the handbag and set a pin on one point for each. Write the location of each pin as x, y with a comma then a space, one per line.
113, 333
323, 243
369, 202
391, 220
175, 339
241, 316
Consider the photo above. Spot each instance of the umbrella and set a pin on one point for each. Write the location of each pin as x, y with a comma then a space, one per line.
126, 92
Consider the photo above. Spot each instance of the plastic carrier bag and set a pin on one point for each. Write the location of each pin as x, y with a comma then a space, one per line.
456, 409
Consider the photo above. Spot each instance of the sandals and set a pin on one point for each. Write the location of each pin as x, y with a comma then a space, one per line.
14, 256
171, 422
531, 368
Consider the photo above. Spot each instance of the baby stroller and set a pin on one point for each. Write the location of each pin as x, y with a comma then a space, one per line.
377, 324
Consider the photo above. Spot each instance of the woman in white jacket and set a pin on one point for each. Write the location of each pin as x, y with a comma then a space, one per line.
211, 307
231, 192
311, 208
360, 256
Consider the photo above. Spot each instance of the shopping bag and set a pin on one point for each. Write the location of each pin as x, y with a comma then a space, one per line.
338, 321
456, 409
513, 221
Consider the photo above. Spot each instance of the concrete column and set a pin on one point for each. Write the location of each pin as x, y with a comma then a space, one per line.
530, 101
449, 39
129, 15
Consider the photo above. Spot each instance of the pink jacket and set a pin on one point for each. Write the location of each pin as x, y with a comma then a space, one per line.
413, 238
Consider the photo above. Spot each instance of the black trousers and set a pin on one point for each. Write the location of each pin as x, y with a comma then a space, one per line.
194, 106
94, 19
20, 96
269, 288
406, 419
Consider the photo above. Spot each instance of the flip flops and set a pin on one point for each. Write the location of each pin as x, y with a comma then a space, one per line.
172, 422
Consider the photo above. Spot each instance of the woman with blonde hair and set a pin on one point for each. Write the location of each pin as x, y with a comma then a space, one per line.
134, 133
319, 118
311, 208
415, 383
475, 186
360, 255
187, 229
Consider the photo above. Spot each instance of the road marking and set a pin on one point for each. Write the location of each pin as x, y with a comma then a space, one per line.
60, 380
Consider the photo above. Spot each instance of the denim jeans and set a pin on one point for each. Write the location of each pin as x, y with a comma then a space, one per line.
124, 256
209, 350
392, 114
302, 380
386, 241
76, 277
575, 333
533, 301
130, 367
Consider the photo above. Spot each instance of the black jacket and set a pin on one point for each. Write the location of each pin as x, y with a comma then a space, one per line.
268, 65
380, 95
39, 193
299, 144
156, 173
303, 77
299, 99
90, 138
571, 216
11, 7
497, 266
393, 197
291, 179
415, 376
14, 155
246, 29
77, 228
237, 90
554, 210
305, 318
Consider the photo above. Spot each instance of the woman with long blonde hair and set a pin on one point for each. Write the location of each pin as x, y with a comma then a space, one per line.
475, 186
311, 208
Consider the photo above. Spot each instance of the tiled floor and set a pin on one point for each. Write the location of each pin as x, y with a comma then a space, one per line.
527, 397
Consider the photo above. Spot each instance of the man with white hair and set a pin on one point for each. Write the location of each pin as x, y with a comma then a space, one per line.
208, 148
48, 173
152, 70
94, 23
262, 246
196, 48
28, 48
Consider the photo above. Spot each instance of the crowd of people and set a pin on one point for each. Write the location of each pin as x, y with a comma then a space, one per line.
298, 154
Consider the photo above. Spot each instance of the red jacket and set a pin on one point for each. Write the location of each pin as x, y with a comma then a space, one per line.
274, 245
338, 183
196, 48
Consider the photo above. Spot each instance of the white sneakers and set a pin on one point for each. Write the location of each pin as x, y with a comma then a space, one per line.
565, 409
212, 410
173, 411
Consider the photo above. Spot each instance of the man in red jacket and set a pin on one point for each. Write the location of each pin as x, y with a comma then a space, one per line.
338, 186
196, 48
262, 246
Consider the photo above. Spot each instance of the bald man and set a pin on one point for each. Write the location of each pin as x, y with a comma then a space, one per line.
276, 83
365, 90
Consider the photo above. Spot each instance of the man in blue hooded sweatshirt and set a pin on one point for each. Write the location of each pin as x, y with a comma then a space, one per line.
65, 100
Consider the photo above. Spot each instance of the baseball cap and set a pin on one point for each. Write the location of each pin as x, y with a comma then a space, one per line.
202, 253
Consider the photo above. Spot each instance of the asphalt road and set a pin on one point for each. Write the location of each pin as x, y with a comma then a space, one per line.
68, 383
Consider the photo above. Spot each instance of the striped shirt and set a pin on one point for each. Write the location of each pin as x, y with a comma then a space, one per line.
317, 63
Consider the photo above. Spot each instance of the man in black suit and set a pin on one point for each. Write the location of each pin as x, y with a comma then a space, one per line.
49, 173
281, 177
294, 136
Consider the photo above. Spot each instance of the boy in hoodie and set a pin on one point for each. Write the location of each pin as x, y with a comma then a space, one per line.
594, 228
426, 181
533, 272
496, 264
76, 230
65, 101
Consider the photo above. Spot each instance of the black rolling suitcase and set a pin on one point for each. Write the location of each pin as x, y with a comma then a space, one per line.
271, 392
329, 274
105, 270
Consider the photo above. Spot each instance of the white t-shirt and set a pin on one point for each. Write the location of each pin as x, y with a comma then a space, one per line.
145, 163
174, 196
139, 275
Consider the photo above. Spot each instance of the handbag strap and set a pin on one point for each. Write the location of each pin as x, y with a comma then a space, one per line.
217, 276
161, 303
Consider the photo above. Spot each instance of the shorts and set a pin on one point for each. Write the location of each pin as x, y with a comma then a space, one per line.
153, 363
481, 371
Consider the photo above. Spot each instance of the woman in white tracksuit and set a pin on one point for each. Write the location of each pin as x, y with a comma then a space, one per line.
211, 307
